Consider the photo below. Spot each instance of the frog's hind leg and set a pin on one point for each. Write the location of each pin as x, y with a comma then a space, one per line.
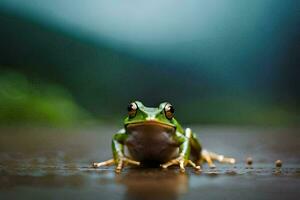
209, 157
221, 158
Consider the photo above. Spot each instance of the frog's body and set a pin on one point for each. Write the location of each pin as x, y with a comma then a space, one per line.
152, 135
141, 138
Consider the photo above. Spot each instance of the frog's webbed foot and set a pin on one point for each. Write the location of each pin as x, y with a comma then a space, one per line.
182, 162
210, 156
120, 163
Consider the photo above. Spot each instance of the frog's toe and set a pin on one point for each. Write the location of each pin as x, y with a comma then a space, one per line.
208, 158
181, 165
212, 166
122, 161
133, 162
170, 163
182, 162
196, 167
95, 165
221, 158
228, 160
119, 167
105, 163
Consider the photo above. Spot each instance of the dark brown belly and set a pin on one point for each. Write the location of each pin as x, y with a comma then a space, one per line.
150, 143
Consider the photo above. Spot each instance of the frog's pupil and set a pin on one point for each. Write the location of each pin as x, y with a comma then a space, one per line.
129, 107
171, 109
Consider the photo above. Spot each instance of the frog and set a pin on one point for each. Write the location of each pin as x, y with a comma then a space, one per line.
152, 135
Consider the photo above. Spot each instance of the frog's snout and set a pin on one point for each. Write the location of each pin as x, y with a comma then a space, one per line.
151, 118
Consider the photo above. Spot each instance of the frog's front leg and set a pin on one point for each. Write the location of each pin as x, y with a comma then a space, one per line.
184, 152
118, 152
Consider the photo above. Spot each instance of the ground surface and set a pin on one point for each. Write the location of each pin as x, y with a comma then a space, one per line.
41, 163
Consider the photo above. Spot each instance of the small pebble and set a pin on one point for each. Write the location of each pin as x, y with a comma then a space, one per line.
249, 161
278, 163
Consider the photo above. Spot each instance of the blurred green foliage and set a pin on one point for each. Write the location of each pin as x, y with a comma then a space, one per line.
24, 102
35, 102
242, 111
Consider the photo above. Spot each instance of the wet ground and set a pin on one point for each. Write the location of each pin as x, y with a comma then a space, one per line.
47, 163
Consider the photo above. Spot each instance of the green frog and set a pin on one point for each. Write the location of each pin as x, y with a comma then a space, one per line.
154, 136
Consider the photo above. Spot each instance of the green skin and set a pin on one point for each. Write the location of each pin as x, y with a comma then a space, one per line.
152, 137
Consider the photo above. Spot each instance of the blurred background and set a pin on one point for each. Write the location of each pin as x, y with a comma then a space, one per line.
69, 62
69, 68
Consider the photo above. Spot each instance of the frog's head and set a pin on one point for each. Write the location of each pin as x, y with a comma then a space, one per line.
163, 115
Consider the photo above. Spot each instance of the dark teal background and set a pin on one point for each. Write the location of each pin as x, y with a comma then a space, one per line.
218, 62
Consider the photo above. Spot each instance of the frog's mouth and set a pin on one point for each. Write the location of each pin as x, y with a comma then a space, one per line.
152, 123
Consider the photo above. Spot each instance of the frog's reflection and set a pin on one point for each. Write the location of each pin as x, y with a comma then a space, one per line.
151, 183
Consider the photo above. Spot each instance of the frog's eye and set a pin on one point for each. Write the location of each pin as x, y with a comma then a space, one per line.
169, 111
132, 108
